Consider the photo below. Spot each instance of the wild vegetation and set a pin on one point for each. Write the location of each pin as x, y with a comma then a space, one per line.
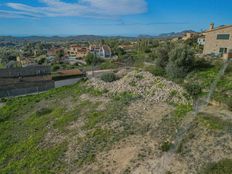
144, 111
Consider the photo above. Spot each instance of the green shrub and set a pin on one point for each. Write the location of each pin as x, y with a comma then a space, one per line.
43, 111
193, 89
55, 67
215, 123
125, 97
161, 55
3, 100
92, 59
108, 77
222, 167
182, 110
166, 146
156, 71
108, 65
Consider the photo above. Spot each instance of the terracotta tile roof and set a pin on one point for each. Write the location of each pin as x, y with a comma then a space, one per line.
70, 72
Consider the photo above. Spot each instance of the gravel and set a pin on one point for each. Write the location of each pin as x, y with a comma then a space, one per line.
152, 88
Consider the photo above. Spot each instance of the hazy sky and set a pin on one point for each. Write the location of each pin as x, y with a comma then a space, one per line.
110, 17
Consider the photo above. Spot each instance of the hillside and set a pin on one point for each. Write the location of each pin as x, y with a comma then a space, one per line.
137, 124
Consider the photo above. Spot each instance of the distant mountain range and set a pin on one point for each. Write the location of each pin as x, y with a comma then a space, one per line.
168, 35
88, 37
58, 38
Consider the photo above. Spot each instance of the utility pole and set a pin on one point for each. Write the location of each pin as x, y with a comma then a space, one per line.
93, 63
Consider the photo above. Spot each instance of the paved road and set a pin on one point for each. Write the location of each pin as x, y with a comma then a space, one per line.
66, 82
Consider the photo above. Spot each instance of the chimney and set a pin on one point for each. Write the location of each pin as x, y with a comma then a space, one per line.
211, 26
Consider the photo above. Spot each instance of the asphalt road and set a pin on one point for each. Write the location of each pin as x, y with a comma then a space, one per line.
66, 82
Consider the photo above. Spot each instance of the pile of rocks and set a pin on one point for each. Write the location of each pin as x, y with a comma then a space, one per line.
151, 88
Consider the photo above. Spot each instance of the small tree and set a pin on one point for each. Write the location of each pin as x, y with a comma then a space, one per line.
89, 58
181, 61
120, 52
92, 59
127, 59
162, 57
195, 91
60, 54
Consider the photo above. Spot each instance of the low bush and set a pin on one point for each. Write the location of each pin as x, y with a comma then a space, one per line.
166, 146
222, 167
108, 65
55, 67
108, 77
193, 89
3, 100
182, 110
43, 111
156, 71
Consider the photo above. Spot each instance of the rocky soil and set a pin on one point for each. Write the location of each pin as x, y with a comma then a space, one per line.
198, 145
152, 89
139, 124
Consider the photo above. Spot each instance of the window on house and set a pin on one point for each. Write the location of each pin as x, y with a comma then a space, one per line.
223, 50
223, 36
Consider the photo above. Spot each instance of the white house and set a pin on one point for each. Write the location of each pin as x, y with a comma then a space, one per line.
201, 40
101, 51
105, 51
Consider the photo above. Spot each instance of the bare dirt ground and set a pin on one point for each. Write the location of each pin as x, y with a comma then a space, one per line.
140, 153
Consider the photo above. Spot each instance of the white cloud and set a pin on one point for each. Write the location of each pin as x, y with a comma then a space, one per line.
86, 8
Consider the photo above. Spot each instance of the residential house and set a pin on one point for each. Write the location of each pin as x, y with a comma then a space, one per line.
175, 39
105, 52
201, 40
54, 51
188, 36
94, 48
78, 51
218, 40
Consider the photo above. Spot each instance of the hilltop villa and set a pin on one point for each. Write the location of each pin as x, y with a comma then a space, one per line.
218, 40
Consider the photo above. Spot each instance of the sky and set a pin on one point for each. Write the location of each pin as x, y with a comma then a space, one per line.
110, 17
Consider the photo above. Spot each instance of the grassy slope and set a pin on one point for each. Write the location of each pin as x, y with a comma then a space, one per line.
205, 77
24, 125
26, 121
